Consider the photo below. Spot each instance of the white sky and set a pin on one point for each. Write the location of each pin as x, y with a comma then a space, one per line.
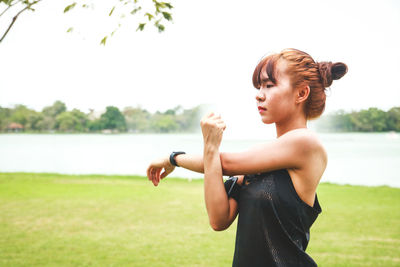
207, 55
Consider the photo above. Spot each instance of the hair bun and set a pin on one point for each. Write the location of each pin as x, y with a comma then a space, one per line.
331, 71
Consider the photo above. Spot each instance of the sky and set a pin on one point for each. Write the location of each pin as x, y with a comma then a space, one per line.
205, 56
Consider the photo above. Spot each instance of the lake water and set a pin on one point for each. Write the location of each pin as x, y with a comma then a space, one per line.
354, 158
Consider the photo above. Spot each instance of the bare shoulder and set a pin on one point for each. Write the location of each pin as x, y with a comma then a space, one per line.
308, 142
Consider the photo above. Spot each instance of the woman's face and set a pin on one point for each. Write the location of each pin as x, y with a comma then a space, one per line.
276, 102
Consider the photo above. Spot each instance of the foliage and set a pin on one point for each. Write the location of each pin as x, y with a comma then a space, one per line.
157, 13
113, 119
367, 120
137, 119
133, 119
74, 120
164, 123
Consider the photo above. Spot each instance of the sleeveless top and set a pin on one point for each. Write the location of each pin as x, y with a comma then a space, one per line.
273, 227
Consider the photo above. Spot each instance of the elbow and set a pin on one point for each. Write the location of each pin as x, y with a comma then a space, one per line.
218, 226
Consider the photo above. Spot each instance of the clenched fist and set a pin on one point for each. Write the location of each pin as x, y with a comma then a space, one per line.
212, 127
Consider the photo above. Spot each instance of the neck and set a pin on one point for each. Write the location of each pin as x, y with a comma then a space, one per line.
290, 124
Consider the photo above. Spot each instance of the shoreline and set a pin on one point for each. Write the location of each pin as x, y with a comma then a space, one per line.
141, 177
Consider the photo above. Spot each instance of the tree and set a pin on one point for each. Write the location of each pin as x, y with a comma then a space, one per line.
393, 119
66, 121
189, 119
137, 119
5, 114
20, 114
34, 119
82, 119
57, 108
157, 14
49, 114
72, 121
95, 125
113, 119
164, 123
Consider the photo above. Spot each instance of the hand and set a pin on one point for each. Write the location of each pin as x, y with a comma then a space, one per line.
212, 127
155, 168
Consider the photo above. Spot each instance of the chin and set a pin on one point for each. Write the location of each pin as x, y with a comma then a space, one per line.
267, 121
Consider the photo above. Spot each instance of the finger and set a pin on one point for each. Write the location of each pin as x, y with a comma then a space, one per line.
158, 175
219, 121
151, 174
221, 125
154, 181
153, 177
216, 117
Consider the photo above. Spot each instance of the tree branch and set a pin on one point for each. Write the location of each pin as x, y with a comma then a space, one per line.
16, 16
5, 10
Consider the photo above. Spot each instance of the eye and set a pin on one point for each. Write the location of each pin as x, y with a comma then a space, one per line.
267, 84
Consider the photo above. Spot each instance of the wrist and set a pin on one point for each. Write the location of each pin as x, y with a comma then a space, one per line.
211, 149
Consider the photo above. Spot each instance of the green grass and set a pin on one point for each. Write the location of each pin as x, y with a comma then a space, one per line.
95, 220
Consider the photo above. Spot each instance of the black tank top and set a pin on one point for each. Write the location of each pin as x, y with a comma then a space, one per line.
273, 227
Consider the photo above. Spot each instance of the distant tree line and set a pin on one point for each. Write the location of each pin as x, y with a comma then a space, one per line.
366, 120
56, 118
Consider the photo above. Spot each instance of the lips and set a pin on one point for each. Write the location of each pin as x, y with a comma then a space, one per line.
261, 108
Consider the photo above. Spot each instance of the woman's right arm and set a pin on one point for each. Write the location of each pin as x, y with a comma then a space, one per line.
188, 161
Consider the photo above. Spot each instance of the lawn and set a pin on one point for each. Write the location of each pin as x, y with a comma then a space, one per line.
96, 220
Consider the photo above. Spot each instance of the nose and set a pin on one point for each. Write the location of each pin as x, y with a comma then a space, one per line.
260, 97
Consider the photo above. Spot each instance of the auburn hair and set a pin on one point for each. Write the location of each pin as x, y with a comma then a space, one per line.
302, 71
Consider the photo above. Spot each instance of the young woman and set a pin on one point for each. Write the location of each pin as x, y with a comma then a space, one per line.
275, 194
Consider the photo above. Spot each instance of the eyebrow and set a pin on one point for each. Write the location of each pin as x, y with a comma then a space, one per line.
265, 79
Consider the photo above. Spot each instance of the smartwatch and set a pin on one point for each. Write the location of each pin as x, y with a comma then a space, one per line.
172, 157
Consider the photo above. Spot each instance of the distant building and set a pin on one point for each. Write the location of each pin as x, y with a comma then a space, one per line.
94, 115
15, 127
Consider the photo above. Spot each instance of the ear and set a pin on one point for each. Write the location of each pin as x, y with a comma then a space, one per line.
302, 94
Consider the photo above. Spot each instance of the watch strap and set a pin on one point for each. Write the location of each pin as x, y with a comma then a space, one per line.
172, 157
232, 188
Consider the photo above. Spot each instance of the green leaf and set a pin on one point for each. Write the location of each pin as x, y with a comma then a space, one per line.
160, 4
70, 29
133, 12
149, 16
103, 41
68, 8
112, 10
169, 5
141, 26
160, 27
167, 15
